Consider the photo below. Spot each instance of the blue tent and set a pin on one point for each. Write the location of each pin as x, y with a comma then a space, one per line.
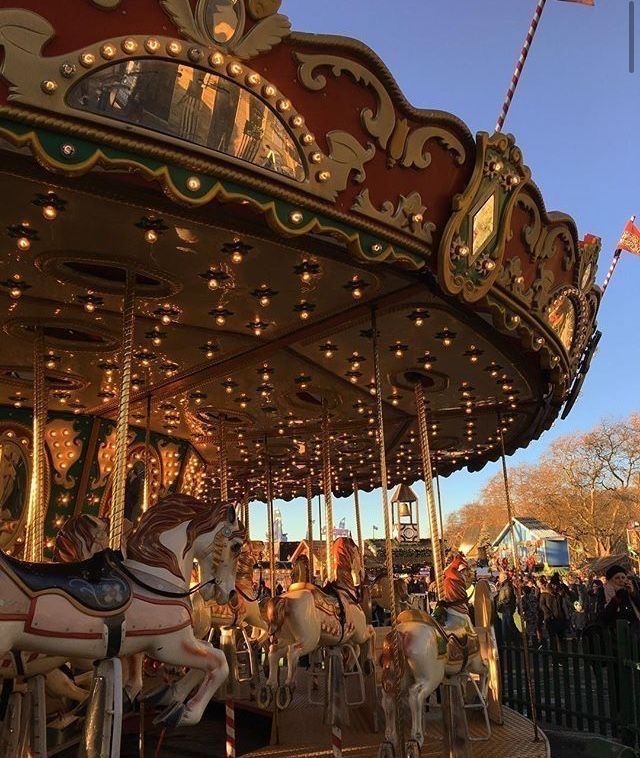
533, 537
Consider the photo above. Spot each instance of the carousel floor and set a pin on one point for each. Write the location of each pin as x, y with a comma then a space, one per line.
514, 739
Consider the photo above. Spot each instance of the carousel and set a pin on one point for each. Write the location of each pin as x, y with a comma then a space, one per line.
238, 266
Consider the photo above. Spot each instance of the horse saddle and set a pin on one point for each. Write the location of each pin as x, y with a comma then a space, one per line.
456, 642
95, 584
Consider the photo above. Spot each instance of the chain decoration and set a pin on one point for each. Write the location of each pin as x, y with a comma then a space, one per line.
427, 474
326, 487
122, 426
34, 549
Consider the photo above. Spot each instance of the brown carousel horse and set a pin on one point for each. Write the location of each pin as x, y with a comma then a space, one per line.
108, 607
306, 618
432, 648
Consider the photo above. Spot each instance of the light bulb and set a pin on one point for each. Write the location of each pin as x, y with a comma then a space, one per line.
237, 257
151, 236
49, 212
220, 320
89, 307
156, 341
264, 301
357, 293
306, 276
23, 243
15, 292
446, 341
213, 284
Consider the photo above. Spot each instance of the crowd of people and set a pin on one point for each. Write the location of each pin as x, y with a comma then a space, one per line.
555, 608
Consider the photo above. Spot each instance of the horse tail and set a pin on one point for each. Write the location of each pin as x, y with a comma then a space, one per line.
482, 605
275, 612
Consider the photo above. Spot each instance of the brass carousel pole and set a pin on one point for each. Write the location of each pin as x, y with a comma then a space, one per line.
310, 525
442, 548
146, 500
37, 512
518, 585
427, 474
269, 494
356, 502
122, 426
246, 515
326, 487
384, 483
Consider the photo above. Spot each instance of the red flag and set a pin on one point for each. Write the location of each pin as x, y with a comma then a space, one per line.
582, 2
630, 239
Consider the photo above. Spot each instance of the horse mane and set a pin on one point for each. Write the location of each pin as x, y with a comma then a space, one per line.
144, 543
244, 571
342, 550
77, 530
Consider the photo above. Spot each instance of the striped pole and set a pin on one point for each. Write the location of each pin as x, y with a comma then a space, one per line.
614, 263
520, 65
336, 741
230, 726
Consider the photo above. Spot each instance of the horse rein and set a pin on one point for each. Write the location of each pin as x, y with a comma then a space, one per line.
163, 593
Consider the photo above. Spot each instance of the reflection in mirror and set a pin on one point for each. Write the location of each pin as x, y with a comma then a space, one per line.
14, 489
192, 105
134, 492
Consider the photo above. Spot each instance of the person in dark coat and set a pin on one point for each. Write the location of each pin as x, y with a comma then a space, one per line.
594, 603
623, 600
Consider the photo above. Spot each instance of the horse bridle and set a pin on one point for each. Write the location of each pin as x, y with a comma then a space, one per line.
163, 593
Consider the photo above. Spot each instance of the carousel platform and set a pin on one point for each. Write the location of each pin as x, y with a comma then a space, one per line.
514, 739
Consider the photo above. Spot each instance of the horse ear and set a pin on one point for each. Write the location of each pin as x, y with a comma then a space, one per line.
231, 514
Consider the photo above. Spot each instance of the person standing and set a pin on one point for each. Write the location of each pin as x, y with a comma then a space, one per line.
622, 599
506, 607
552, 606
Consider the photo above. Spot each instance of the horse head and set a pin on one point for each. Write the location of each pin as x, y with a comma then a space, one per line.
81, 537
181, 529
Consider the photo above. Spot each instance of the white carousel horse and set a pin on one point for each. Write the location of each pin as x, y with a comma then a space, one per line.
245, 610
108, 607
306, 618
432, 649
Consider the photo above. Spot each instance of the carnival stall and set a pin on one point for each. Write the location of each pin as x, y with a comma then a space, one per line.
238, 266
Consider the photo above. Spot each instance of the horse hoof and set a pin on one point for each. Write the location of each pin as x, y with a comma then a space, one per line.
171, 716
157, 696
386, 750
265, 696
413, 749
284, 696
369, 667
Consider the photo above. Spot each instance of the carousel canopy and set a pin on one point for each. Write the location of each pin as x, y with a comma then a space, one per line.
268, 191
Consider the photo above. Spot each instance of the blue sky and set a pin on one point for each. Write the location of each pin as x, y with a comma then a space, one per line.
576, 115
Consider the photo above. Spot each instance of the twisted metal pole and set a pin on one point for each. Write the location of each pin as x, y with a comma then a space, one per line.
518, 585
531, 33
442, 550
34, 548
427, 474
356, 502
384, 482
326, 487
272, 547
122, 425
146, 500
310, 525
224, 480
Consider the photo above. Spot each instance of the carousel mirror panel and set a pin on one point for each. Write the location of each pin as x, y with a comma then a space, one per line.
14, 487
192, 105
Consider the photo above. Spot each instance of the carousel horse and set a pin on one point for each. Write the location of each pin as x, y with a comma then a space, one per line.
432, 648
244, 610
306, 618
109, 606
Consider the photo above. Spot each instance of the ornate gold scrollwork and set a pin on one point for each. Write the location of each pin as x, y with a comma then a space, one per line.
223, 23
106, 452
65, 447
392, 134
407, 216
